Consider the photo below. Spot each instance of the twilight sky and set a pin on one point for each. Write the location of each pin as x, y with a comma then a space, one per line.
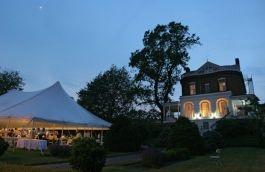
72, 41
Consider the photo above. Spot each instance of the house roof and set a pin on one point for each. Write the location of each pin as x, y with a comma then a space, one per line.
210, 67
52, 104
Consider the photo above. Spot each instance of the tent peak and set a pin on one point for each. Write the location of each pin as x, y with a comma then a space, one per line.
57, 83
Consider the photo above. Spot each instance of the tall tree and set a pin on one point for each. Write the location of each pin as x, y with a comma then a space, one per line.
110, 94
161, 60
10, 80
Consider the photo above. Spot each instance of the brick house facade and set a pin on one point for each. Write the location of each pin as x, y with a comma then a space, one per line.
212, 92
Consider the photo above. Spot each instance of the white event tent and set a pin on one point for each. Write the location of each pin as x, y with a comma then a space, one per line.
50, 108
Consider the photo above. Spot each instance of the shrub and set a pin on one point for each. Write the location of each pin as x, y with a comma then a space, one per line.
3, 146
176, 154
152, 133
59, 150
125, 135
229, 128
242, 141
262, 141
163, 137
213, 140
87, 155
185, 134
239, 132
152, 157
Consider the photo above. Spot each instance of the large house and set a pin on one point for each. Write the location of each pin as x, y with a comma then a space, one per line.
212, 92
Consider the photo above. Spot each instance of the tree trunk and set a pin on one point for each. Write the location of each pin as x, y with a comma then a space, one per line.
159, 105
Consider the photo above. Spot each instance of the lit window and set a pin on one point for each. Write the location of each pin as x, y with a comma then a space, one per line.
207, 87
222, 84
192, 88
205, 109
188, 110
222, 107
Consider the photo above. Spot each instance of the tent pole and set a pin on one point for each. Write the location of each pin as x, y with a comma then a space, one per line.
68, 132
101, 137
8, 122
12, 136
53, 132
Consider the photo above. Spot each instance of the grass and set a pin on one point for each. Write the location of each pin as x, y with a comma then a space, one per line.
24, 157
22, 168
233, 160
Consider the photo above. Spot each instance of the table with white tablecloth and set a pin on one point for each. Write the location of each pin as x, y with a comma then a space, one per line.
32, 144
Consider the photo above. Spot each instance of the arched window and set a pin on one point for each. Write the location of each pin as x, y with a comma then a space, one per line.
222, 105
188, 110
205, 107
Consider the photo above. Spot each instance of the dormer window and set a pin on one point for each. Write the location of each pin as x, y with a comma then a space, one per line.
222, 84
192, 88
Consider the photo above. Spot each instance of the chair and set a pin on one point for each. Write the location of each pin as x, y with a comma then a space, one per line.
217, 158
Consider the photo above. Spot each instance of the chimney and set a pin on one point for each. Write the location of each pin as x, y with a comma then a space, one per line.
237, 62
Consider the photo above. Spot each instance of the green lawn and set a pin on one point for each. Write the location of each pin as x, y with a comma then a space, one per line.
24, 157
21, 168
233, 160
28, 157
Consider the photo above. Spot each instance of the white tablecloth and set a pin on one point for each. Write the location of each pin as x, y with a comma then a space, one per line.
32, 144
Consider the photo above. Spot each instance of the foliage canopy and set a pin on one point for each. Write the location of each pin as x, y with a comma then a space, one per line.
161, 60
110, 94
10, 80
